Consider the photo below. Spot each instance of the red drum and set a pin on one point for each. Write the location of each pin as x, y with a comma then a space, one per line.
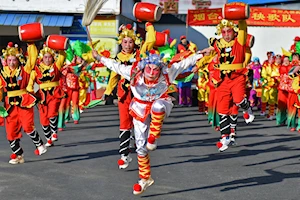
236, 11
161, 39
250, 41
31, 32
147, 12
57, 42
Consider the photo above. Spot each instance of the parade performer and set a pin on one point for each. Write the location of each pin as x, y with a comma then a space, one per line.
283, 91
184, 80
294, 91
129, 42
149, 79
72, 72
18, 102
47, 75
64, 106
183, 45
254, 98
203, 90
231, 79
270, 75
211, 61
293, 48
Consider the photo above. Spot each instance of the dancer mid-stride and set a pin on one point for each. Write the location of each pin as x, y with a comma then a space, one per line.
18, 102
149, 80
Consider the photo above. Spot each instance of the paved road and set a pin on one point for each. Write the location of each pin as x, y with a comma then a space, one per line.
186, 166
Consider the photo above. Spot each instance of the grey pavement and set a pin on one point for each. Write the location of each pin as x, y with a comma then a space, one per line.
186, 166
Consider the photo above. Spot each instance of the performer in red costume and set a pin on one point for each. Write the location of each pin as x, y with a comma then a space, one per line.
231, 79
14, 78
283, 91
129, 40
47, 75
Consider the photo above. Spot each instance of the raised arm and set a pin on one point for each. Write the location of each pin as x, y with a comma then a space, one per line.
177, 68
121, 69
242, 33
61, 59
32, 56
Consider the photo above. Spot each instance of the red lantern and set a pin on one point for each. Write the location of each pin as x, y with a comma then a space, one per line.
147, 12
31, 32
236, 11
57, 42
161, 39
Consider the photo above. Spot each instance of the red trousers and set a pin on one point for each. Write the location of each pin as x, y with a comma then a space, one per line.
17, 119
48, 110
230, 92
125, 117
282, 100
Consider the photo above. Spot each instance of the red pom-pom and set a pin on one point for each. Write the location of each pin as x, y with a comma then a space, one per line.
13, 156
232, 130
121, 162
36, 152
129, 26
151, 139
148, 24
152, 51
105, 53
137, 187
246, 115
219, 145
54, 135
166, 31
10, 44
49, 141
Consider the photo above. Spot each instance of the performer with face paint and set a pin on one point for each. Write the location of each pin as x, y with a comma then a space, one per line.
14, 78
149, 79
231, 51
47, 75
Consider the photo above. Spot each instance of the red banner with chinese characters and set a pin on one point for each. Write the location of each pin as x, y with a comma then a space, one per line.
258, 17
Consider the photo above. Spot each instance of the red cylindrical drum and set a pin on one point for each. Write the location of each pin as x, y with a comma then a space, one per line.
250, 41
236, 11
147, 12
161, 39
57, 42
31, 32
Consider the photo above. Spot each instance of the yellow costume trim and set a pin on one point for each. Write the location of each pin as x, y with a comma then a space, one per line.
231, 66
16, 93
49, 85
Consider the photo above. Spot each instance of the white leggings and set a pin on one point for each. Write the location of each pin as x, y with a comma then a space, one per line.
141, 129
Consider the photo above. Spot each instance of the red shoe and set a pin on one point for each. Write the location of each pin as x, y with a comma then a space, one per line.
60, 129
217, 128
54, 137
76, 122
292, 129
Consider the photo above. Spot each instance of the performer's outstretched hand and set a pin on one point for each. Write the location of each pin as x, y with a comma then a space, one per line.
96, 55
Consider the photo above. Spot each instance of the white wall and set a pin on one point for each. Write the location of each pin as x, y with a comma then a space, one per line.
266, 38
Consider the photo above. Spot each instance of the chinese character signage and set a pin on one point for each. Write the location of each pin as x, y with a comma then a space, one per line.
258, 17
182, 6
104, 26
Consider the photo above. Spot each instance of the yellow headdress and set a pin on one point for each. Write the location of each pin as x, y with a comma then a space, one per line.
226, 23
127, 31
13, 50
45, 50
